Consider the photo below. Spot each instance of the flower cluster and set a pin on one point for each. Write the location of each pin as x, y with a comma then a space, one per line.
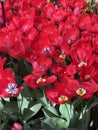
59, 40
8, 86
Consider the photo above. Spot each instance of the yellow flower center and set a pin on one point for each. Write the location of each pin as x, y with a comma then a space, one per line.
81, 91
62, 55
62, 98
87, 10
48, 1
87, 76
40, 80
82, 64
87, 1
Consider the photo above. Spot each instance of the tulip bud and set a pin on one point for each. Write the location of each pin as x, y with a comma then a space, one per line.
17, 126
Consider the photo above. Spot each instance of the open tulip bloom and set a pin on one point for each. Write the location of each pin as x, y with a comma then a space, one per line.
48, 64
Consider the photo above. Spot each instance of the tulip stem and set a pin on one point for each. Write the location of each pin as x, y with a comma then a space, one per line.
3, 13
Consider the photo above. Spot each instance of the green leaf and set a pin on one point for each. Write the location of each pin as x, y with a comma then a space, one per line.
74, 128
38, 94
22, 103
95, 116
80, 124
51, 111
1, 105
66, 111
34, 122
77, 102
18, 79
7, 99
27, 127
53, 122
75, 120
85, 119
29, 113
27, 92
11, 107
2, 126
47, 127
43, 100
10, 111
36, 107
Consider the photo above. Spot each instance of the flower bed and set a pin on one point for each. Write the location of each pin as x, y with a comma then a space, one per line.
48, 65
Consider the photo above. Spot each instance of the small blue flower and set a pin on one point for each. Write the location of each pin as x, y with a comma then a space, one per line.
12, 88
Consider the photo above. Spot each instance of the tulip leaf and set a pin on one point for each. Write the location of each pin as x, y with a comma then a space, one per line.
43, 100
36, 107
1, 105
2, 126
47, 127
77, 102
11, 108
27, 127
66, 111
85, 119
50, 111
7, 99
22, 103
28, 113
53, 122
